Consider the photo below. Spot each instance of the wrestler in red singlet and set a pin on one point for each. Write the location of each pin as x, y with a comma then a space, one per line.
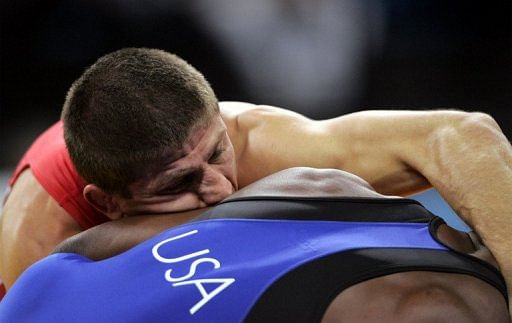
51, 165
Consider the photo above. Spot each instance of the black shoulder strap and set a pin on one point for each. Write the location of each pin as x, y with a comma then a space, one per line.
329, 209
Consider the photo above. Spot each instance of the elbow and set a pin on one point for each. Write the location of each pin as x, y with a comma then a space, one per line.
476, 128
479, 123
471, 137
482, 130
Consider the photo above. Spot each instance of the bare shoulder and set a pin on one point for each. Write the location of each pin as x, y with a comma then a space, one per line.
32, 223
266, 140
232, 109
244, 112
30, 210
28, 199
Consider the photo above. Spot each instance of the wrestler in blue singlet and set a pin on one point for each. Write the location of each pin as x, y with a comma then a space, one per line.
238, 260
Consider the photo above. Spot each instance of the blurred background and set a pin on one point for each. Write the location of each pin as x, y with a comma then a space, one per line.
322, 58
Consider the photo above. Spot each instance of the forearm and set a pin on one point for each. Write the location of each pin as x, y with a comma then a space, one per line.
470, 164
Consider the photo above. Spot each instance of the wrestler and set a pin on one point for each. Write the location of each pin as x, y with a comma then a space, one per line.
301, 245
146, 133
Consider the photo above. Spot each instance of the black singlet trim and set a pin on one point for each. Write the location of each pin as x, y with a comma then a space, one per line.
321, 208
353, 199
434, 225
303, 294
341, 270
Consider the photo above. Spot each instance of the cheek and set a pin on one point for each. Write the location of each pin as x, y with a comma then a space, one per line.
228, 171
230, 167
183, 202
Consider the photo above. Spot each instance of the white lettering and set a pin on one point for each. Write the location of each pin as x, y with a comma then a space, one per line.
174, 260
182, 281
225, 282
192, 272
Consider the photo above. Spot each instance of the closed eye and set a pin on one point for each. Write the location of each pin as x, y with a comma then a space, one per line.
180, 185
215, 157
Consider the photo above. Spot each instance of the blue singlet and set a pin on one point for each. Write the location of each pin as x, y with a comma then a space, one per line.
218, 267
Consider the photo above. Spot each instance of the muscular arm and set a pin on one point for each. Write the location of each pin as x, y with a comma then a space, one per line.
112, 238
464, 155
470, 164
31, 225
375, 145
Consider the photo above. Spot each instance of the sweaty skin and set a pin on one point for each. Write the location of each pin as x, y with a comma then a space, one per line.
402, 297
397, 152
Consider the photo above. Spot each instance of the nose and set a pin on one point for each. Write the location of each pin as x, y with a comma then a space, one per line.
214, 186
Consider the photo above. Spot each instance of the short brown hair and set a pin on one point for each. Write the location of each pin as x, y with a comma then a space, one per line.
130, 109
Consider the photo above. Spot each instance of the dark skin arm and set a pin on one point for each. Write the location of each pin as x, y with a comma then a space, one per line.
113, 238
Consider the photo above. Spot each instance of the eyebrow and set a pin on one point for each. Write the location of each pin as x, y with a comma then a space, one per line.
163, 181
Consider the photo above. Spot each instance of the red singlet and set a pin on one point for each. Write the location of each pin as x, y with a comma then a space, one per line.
51, 165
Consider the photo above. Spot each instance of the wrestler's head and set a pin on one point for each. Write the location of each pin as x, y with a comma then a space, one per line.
307, 182
143, 127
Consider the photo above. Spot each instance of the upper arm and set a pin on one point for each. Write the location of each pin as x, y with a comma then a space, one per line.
114, 237
383, 147
109, 239
269, 139
31, 225
389, 148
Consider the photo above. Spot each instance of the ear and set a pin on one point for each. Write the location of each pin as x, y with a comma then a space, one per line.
102, 201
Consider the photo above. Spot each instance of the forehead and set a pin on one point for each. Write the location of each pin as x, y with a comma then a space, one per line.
203, 135
201, 140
